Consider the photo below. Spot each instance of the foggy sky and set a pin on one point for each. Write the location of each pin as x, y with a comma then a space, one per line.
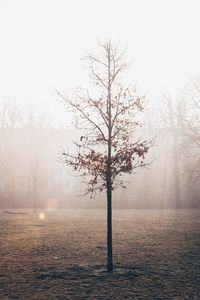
42, 42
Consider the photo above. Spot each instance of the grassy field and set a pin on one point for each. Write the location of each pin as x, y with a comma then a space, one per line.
156, 255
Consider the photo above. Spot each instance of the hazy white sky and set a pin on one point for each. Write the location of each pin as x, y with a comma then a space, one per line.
42, 41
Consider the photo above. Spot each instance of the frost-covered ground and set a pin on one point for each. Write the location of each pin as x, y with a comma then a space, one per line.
156, 254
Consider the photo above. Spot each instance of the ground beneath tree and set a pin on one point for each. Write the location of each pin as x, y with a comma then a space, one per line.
156, 255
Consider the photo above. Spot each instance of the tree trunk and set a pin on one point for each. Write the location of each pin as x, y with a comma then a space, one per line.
109, 207
35, 193
176, 166
109, 226
109, 175
176, 172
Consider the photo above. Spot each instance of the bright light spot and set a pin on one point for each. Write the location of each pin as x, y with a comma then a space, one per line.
41, 216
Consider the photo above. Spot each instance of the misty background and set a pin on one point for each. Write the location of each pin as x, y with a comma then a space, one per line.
42, 43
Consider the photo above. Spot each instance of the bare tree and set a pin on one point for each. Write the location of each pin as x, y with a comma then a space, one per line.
40, 173
192, 132
10, 119
192, 120
172, 118
107, 114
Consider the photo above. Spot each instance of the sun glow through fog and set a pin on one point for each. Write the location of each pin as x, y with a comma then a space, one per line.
52, 204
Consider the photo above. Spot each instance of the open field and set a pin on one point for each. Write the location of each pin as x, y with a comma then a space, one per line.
156, 254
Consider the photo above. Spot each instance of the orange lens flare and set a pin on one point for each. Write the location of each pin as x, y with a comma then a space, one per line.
52, 204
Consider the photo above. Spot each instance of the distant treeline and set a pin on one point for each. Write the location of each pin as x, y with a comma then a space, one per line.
33, 175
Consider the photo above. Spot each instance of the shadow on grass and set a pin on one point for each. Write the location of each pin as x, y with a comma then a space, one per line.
96, 271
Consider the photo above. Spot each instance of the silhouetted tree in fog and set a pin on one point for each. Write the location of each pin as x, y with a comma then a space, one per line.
10, 119
40, 172
107, 114
173, 119
192, 134
193, 120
